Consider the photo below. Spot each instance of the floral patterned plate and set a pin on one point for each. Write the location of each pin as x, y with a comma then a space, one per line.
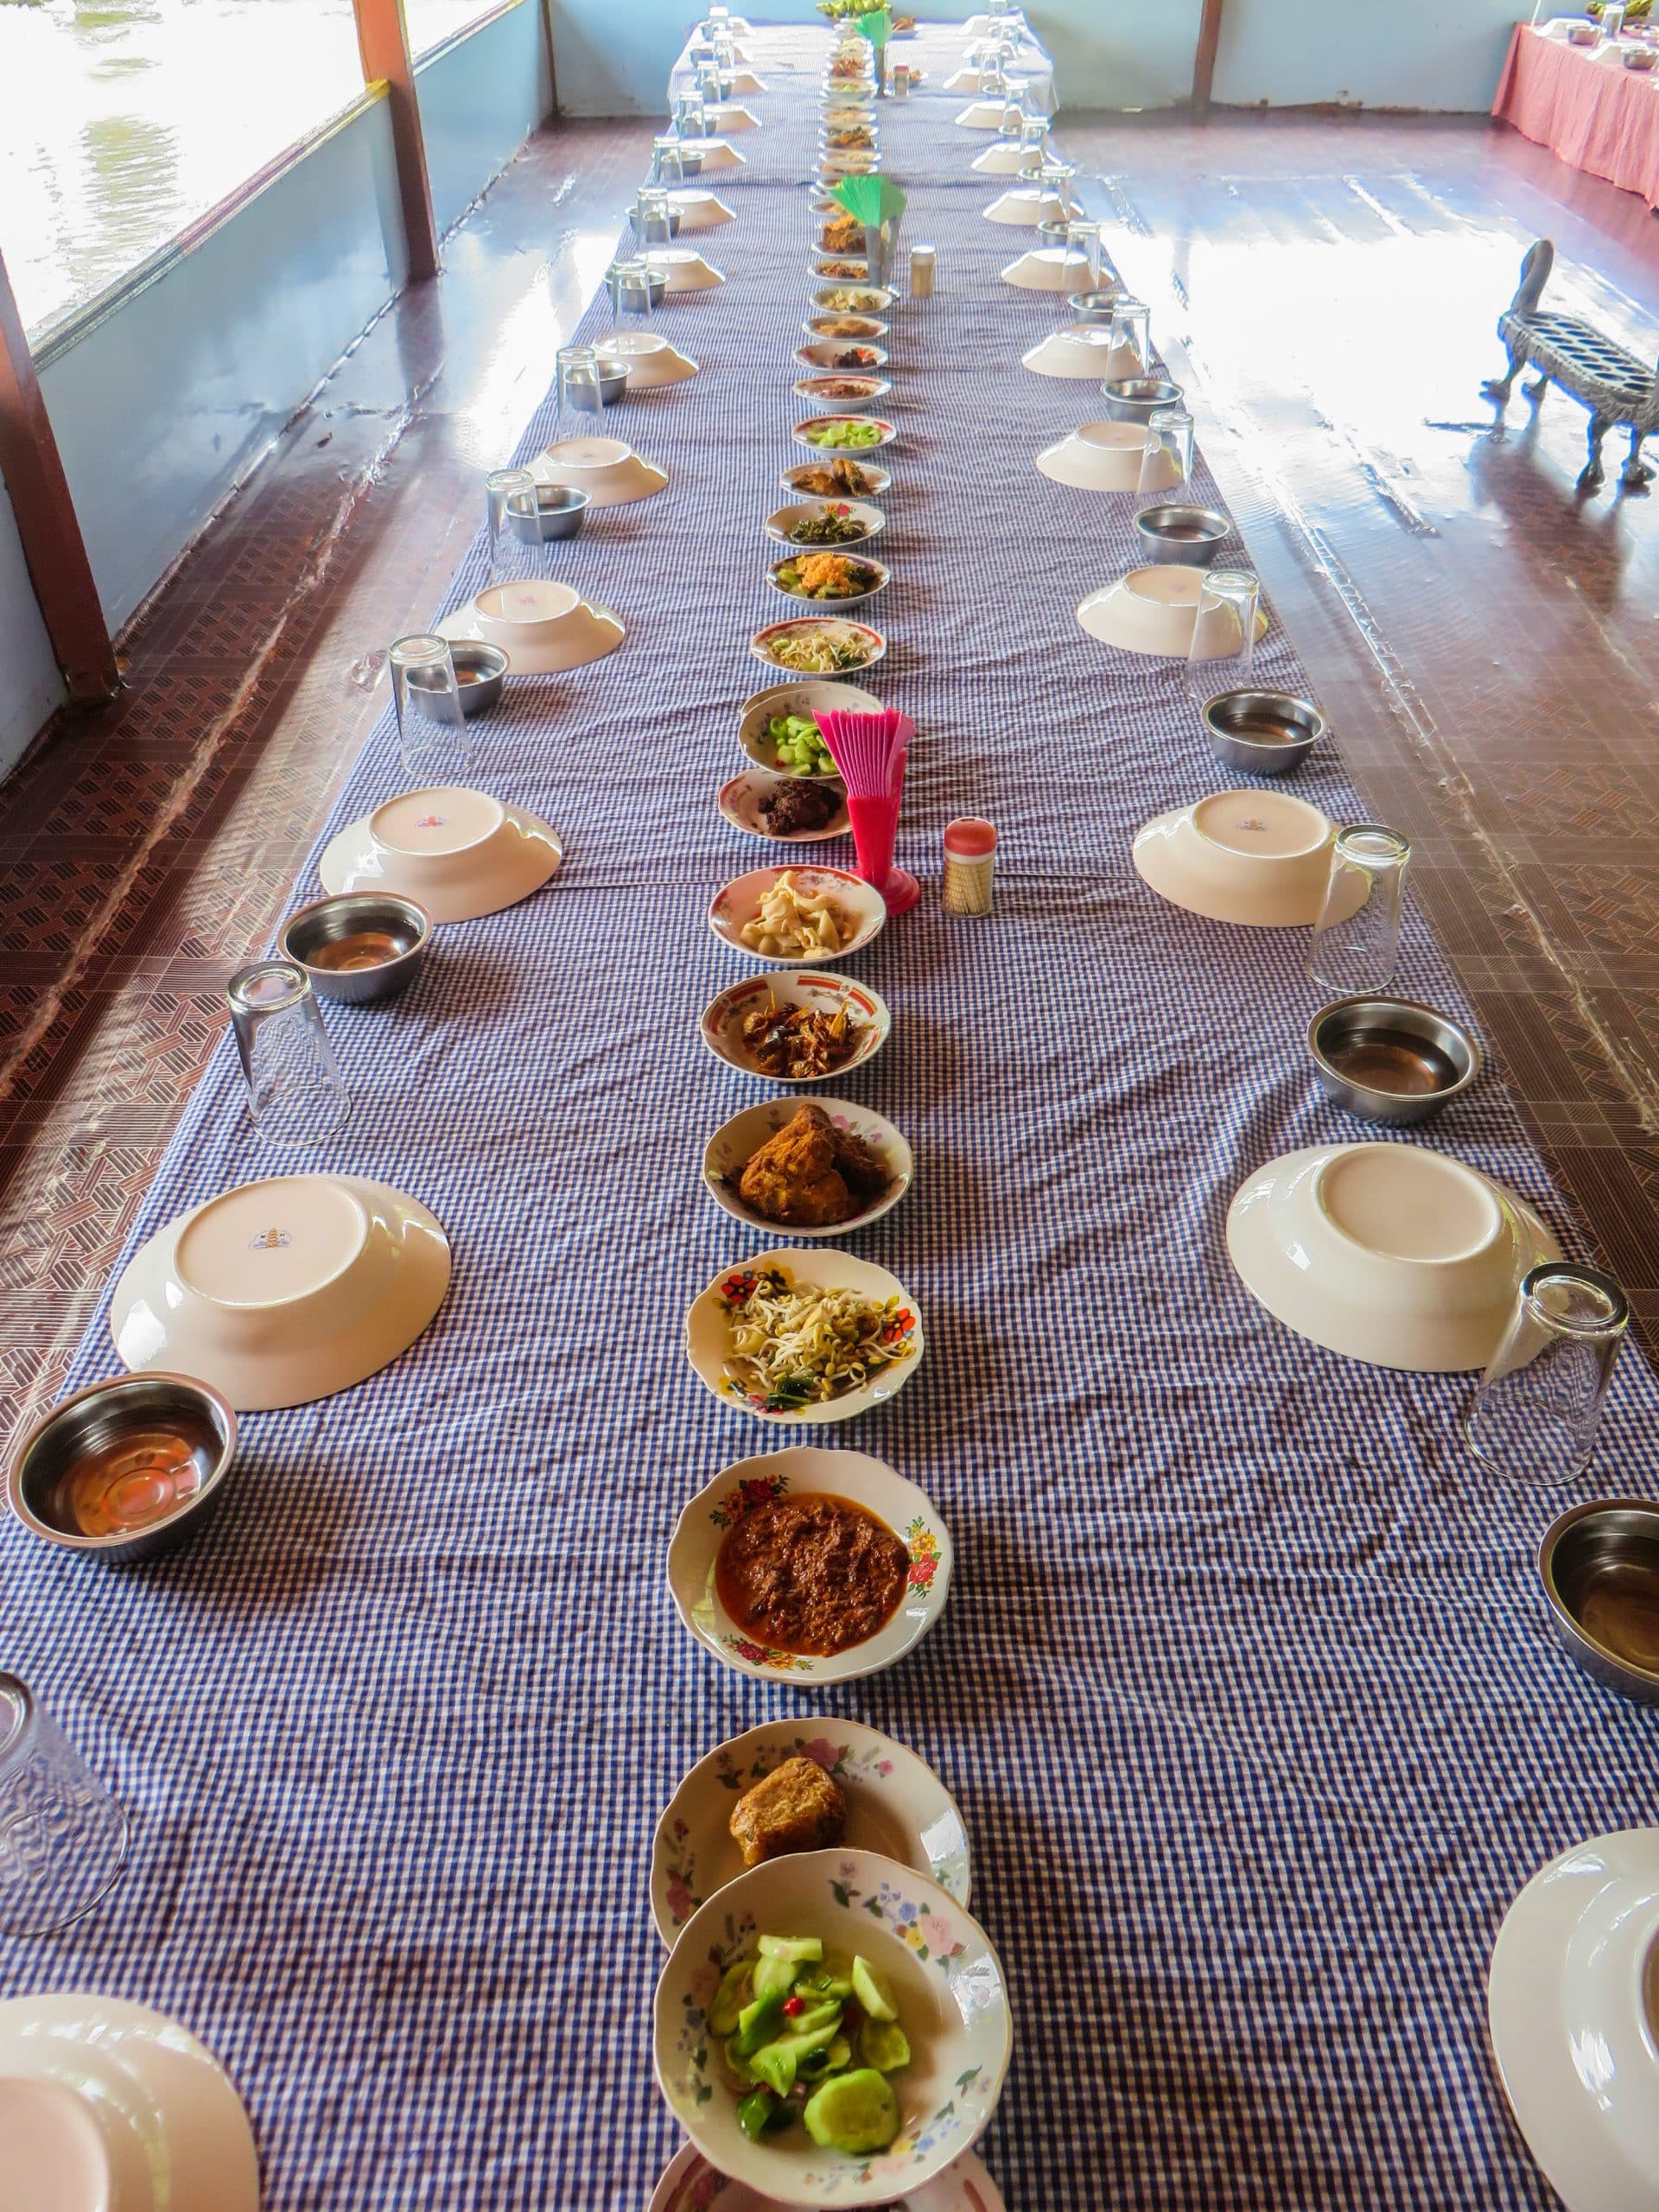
732, 1146
895, 1804
738, 1489
689, 2183
947, 1982
710, 1335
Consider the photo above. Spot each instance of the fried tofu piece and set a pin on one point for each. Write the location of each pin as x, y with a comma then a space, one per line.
794, 1178
797, 1808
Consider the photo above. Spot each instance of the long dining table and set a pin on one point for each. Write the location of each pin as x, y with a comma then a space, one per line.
1245, 1685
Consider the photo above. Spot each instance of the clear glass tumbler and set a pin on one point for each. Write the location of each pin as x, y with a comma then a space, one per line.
1166, 458
63, 1837
1537, 1410
514, 554
667, 161
296, 1096
1054, 183
628, 282
1131, 338
1223, 653
652, 221
1033, 136
1084, 239
1015, 90
1355, 946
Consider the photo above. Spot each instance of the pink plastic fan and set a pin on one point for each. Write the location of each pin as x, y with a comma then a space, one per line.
870, 751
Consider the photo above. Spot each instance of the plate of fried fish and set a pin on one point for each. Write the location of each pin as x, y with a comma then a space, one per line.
818, 1168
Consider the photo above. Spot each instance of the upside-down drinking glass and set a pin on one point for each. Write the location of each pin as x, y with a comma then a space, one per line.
1167, 457
513, 555
1033, 136
690, 117
1355, 946
667, 161
1131, 334
1084, 239
1014, 107
1537, 1410
63, 1837
296, 1096
1223, 654
432, 735
651, 220
576, 379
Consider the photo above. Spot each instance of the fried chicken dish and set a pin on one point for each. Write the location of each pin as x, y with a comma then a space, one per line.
811, 1173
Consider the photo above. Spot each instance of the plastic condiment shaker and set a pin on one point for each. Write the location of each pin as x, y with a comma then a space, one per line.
921, 271
969, 863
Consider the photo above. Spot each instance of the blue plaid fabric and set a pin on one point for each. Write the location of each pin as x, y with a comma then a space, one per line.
1245, 1687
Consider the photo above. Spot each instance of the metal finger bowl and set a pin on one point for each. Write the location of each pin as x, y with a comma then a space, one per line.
481, 671
126, 1469
1600, 1569
358, 946
1264, 732
610, 382
559, 511
1094, 307
634, 294
1192, 536
1137, 399
1388, 1059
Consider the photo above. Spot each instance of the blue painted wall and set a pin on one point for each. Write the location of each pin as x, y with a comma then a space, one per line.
30, 686
1417, 54
481, 95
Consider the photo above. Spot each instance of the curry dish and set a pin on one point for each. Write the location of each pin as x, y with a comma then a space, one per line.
812, 1575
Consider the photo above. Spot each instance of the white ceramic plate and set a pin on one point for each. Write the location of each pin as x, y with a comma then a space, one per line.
593, 632
815, 424
1001, 160
812, 695
880, 479
952, 1997
1103, 457
735, 1143
106, 2106
720, 1025
652, 361
716, 154
1386, 1253
836, 628
822, 354
895, 1804
709, 1335
1084, 350
980, 115
1573, 2004
1155, 611
739, 804
818, 388
881, 574
688, 269
699, 210
284, 1291
458, 853
1023, 206
1049, 268
870, 519
874, 299
689, 2183
608, 469
1257, 859
873, 330
801, 1471
859, 903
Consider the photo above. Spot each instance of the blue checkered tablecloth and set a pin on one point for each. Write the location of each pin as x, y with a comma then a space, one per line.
1245, 1686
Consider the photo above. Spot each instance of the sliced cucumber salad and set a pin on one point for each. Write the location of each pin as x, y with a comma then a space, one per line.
807, 2040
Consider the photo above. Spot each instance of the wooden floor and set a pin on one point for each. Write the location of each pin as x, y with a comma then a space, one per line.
1484, 637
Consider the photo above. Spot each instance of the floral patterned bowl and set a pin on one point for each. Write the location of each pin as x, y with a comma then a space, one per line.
732, 1146
952, 2000
867, 1482
895, 1804
708, 1334
860, 905
689, 2183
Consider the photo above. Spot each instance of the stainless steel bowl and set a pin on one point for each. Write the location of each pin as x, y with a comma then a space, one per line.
387, 934
1094, 307
1137, 399
1391, 1059
482, 669
1192, 536
1600, 1569
1052, 231
559, 511
612, 383
1264, 732
93, 1426
638, 293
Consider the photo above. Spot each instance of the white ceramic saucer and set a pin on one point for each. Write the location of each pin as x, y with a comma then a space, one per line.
1572, 2003
1098, 456
1258, 859
746, 81
106, 2106
689, 2183
688, 271
282, 1291
716, 153
698, 210
731, 116
1024, 204
981, 115
544, 627
801, 1470
1083, 350
652, 360
1049, 268
895, 1804
607, 469
1388, 1253
458, 853
736, 1142
1155, 610
1001, 160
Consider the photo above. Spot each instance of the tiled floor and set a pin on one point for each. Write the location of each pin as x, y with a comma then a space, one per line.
1483, 638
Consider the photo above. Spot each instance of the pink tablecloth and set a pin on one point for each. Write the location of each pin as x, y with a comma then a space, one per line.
1597, 115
